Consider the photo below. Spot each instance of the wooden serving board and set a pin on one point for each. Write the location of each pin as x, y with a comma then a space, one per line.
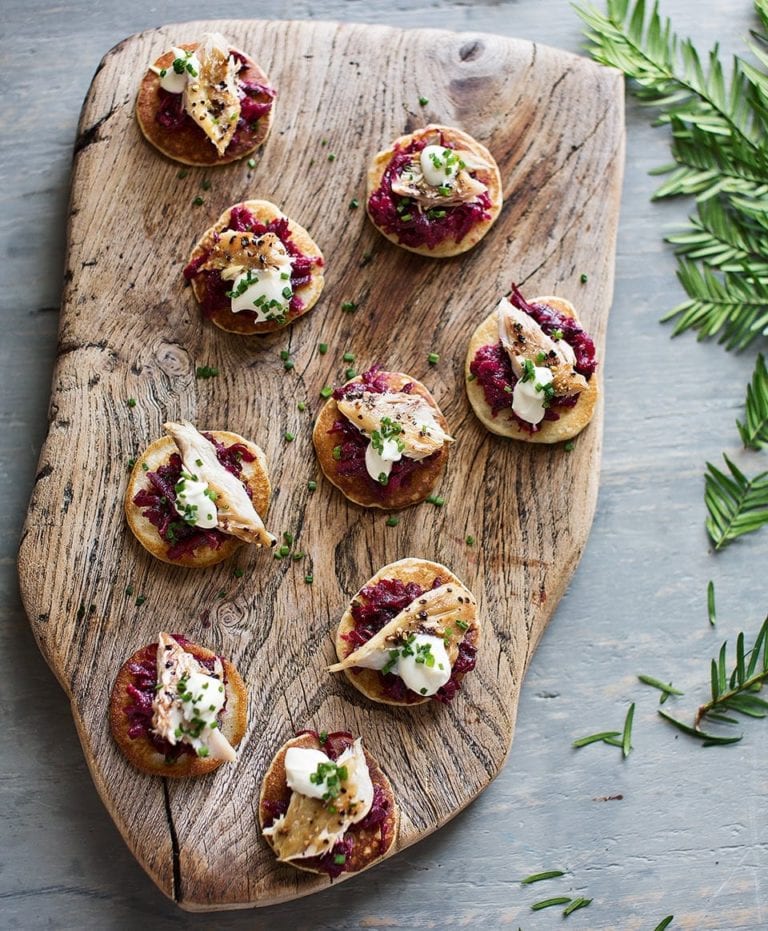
130, 329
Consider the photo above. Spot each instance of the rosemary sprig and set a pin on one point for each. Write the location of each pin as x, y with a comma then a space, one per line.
734, 692
736, 504
754, 431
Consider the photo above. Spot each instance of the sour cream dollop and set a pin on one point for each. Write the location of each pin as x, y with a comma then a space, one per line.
422, 663
528, 396
379, 463
194, 502
439, 165
174, 77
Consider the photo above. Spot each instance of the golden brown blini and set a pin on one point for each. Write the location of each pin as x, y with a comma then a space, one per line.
436, 191
159, 509
218, 107
425, 632
350, 829
537, 335
139, 712
255, 270
370, 410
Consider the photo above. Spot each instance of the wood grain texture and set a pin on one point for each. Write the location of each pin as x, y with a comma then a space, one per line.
129, 329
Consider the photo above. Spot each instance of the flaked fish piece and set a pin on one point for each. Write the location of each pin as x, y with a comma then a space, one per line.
434, 613
462, 189
236, 513
407, 417
211, 98
233, 253
174, 664
311, 826
523, 339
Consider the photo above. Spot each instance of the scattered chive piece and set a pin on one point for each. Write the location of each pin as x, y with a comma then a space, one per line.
289, 437
298, 556
205, 184
278, 554
594, 738
339, 858
393, 521
354, 204
367, 257
285, 354
548, 903
433, 358
326, 392
331, 157
664, 923
470, 540
131, 462
251, 162
129, 590
131, 402
583, 279
576, 904
198, 201
288, 364
222, 594
322, 348
309, 578
336, 453
206, 371
537, 877
323, 142
665, 689
311, 486
711, 603
284, 549
350, 373
140, 600
238, 573
423, 101
471, 377
348, 306
182, 174
568, 447
145, 466
626, 737
436, 500
288, 537
348, 357
301, 406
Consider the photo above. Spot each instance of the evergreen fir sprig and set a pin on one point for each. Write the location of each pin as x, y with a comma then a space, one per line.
754, 431
719, 127
732, 693
736, 504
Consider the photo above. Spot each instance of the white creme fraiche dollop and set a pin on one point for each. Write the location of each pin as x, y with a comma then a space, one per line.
302, 762
194, 501
175, 81
379, 463
438, 165
196, 714
528, 399
413, 667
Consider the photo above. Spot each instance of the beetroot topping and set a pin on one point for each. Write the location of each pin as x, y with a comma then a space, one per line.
256, 101
492, 368
141, 692
349, 453
374, 607
405, 218
241, 220
159, 501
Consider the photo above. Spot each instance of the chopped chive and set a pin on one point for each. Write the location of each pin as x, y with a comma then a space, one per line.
336, 453
284, 550
288, 537
288, 364
548, 903
576, 904
205, 184
301, 406
311, 486
129, 590
568, 447
393, 521
145, 466
423, 101
298, 556
277, 554
140, 600
537, 877
470, 540
222, 594
206, 371
323, 142
339, 858
331, 157
348, 306
251, 162
289, 437
326, 391
238, 573
350, 373
309, 578
437, 500
583, 278
131, 402
348, 357
711, 603
322, 348
433, 358
285, 354
131, 463
183, 172
198, 201
354, 204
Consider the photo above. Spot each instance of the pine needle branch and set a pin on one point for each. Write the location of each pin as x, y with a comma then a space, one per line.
736, 504
754, 431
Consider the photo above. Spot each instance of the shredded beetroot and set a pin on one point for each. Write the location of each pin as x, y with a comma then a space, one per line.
352, 443
241, 220
493, 370
421, 229
171, 114
159, 501
375, 607
141, 690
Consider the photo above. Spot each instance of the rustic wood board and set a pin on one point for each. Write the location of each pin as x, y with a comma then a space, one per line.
129, 329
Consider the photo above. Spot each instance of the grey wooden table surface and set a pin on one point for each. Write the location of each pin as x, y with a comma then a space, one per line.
674, 829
